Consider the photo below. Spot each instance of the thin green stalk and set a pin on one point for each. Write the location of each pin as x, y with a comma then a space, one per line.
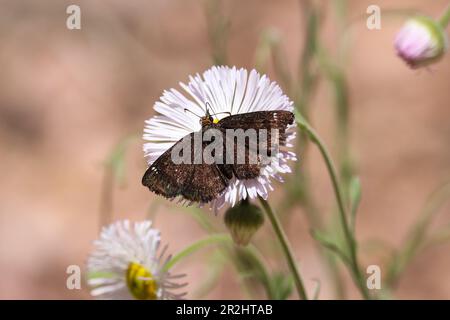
217, 238
307, 75
218, 28
286, 248
336, 77
445, 18
308, 79
417, 235
214, 237
351, 244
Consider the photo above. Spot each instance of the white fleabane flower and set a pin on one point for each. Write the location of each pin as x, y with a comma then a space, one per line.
226, 91
125, 264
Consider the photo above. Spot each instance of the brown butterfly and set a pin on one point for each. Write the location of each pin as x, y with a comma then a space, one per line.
203, 182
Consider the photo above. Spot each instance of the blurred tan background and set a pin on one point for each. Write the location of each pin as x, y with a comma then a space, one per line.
68, 96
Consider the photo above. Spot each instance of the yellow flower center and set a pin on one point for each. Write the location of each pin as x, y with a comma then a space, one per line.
216, 121
141, 283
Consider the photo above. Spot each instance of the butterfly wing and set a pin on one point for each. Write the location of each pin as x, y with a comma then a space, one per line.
195, 182
260, 120
206, 184
166, 178
279, 119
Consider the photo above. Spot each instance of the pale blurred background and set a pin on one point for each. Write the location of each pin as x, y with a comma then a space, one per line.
67, 97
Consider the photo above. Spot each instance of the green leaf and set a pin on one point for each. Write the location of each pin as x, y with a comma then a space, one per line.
327, 243
200, 244
355, 199
282, 285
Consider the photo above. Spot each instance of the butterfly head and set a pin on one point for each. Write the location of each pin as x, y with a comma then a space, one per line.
208, 119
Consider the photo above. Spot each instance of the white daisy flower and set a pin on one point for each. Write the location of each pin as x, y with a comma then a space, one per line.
125, 264
226, 91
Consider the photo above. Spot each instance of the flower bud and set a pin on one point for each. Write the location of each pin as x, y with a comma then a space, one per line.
421, 41
243, 220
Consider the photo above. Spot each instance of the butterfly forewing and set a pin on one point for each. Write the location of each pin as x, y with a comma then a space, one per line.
194, 182
279, 119
265, 120
166, 178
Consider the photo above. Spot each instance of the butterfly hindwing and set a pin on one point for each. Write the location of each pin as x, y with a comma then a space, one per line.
260, 120
251, 167
206, 183
195, 182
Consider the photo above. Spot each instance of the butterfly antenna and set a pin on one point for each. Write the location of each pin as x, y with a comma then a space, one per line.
187, 110
227, 112
209, 107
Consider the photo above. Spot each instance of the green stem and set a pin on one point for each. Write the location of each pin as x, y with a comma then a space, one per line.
217, 238
286, 248
263, 274
445, 18
351, 244
218, 29
250, 250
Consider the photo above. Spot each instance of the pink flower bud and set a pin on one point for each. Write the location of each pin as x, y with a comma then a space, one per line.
421, 41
